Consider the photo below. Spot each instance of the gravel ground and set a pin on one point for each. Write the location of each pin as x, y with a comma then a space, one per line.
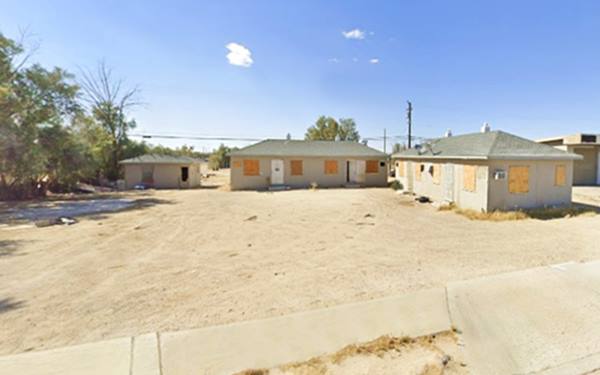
195, 258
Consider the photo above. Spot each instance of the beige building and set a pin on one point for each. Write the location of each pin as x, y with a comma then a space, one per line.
488, 171
299, 164
162, 172
587, 170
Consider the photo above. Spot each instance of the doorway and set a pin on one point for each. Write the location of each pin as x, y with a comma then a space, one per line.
355, 171
276, 172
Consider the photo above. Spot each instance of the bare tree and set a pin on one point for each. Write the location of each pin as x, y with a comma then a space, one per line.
109, 101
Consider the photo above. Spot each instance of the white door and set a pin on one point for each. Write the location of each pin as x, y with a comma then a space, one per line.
276, 172
356, 171
360, 171
448, 178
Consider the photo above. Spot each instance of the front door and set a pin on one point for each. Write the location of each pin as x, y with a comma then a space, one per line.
448, 178
276, 172
356, 171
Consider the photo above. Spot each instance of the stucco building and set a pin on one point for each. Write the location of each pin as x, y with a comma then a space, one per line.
162, 171
299, 164
587, 170
488, 171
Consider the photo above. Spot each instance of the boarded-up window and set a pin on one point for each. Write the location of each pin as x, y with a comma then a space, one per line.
372, 166
470, 178
418, 171
560, 175
296, 167
435, 176
401, 171
251, 168
237, 164
331, 167
518, 179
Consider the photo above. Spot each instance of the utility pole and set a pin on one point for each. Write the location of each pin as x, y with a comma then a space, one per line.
409, 119
384, 140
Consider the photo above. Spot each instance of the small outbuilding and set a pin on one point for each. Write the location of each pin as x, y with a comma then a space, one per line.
587, 170
492, 170
162, 171
300, 164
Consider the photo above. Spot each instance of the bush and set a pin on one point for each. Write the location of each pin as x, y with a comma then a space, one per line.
396, 185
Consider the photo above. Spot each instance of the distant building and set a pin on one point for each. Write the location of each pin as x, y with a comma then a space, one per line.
162, 171
298, 164
488, 171
587, 170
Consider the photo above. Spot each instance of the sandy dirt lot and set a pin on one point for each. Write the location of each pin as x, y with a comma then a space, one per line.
201, 257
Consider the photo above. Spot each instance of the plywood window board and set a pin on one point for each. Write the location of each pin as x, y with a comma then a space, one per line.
251, 167
331, 167
560, 175
518, 179
437, 172
418, 171
372, 166
470, 178
401, 170
296, 167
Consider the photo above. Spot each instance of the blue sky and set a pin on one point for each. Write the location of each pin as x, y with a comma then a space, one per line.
527, 67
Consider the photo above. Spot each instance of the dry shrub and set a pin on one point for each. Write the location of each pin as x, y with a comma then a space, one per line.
539, 213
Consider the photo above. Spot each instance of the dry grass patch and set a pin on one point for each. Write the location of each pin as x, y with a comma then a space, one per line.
385, 348
539, 213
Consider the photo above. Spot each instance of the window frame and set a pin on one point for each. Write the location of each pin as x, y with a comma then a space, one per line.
249, 171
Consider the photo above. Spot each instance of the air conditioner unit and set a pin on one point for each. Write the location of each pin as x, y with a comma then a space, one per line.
499, 174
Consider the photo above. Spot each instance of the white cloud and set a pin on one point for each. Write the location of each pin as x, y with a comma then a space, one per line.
354, 34
334, 60
239, 55
374, 61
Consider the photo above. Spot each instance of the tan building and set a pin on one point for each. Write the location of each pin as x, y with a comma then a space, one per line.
587, 170
488, 171
162, 172
299, 164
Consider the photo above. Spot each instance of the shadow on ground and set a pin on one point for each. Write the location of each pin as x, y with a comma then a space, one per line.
7, 304
49, 211
9, 247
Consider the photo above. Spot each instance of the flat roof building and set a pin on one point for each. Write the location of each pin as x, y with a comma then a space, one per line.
586, 171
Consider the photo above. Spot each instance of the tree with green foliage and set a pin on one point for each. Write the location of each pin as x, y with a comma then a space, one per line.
220, 157
31, 99
328, 129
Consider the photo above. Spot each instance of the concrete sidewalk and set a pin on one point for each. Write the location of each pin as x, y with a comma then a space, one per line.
240, 346
538, 321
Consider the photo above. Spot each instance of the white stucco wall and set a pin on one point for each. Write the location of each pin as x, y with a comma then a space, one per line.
313, 171
166, 176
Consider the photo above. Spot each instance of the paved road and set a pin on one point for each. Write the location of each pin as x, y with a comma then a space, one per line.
539, 321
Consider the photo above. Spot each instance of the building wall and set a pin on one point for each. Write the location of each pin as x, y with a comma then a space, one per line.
449, 190
313, 172
542, 189
166, 176
585, 172
489, 194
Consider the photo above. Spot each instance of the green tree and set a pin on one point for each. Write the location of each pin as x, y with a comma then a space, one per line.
220, 157
109, 104
347, 130
328, 129
31, 98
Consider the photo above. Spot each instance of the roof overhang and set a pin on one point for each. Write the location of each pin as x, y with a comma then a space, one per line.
507, 157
